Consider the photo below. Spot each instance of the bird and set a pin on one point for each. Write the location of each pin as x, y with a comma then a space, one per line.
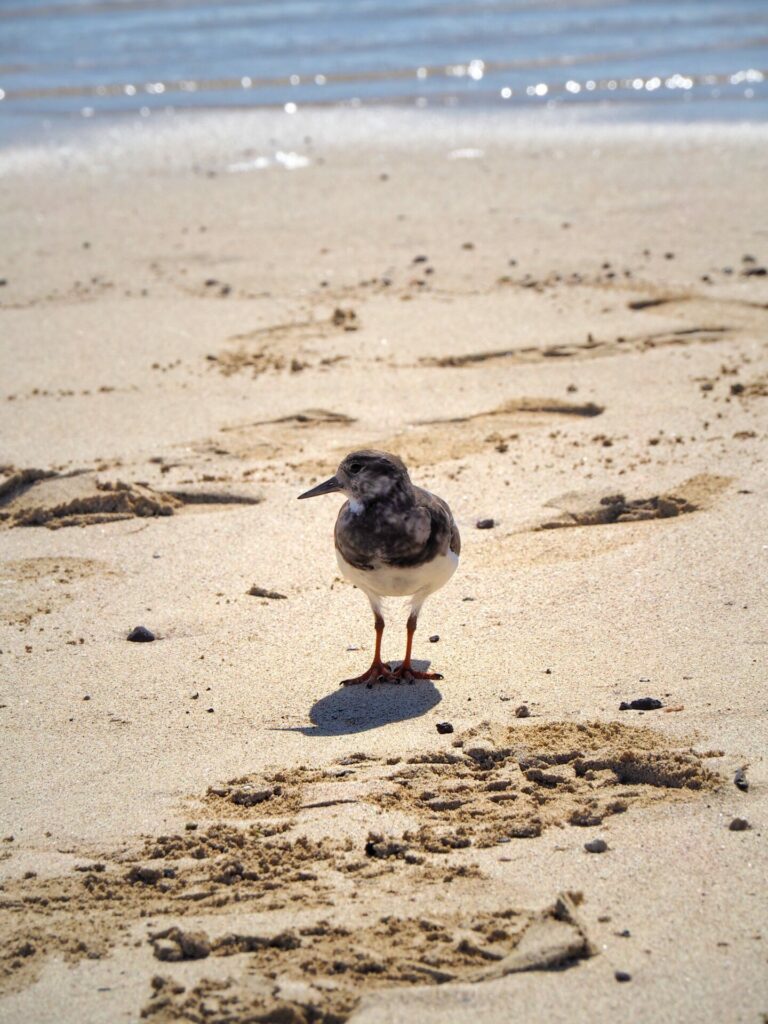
393, 539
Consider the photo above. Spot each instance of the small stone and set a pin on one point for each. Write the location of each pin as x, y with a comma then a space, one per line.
596, 846
434, 638
740, 780
622, 976
273, 595
485, 524
141, 635
522, 711
641, 704
147, 875
739, 825
443, 727
248, 795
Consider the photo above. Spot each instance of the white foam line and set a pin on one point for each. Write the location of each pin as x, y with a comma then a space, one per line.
225, 141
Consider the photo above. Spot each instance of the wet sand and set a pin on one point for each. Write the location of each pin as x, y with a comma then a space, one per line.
565, 333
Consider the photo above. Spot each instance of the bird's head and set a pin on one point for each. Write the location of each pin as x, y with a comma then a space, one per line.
366, 476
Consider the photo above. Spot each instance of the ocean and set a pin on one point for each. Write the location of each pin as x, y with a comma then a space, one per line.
65, 62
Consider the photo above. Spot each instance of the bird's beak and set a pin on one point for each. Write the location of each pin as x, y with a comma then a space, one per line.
325, 488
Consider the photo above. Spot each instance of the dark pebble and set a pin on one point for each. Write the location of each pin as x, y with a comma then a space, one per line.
434, 638
209, 710
754, 272
622, 976
641, 704
739, 825
522, 711
485, 524
443, 727
737, 389
740, 780
273, 595
420, 259
596, 846
141, 635
87, 696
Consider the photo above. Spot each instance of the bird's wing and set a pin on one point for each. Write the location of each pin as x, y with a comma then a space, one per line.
444, 529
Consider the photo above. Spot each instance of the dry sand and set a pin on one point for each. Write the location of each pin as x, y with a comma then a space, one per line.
566, 334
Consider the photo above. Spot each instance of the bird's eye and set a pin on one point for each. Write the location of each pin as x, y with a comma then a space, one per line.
354, 468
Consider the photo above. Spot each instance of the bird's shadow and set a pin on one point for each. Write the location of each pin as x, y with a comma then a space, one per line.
353, 709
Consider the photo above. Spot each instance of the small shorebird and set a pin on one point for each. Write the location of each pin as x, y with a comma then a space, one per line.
392, 540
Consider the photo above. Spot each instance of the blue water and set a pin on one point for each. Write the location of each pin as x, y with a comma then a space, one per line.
65, 61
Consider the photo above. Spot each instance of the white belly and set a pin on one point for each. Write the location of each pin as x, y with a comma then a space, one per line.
394, 581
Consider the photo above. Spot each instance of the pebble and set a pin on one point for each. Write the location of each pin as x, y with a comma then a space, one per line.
273, 595
622, 976
641, 704
443, 727
248, 795
434, 638
522, 711
739, 825
141, 635
485, 524
740, 780
596, 846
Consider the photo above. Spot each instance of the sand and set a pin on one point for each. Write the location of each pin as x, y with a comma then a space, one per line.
563, 331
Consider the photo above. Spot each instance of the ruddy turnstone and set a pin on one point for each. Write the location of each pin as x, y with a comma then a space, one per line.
393, 539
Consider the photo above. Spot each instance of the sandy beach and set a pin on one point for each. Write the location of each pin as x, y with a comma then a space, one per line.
562, 330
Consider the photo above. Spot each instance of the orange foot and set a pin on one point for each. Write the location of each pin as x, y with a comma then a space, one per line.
406, 674
377, 673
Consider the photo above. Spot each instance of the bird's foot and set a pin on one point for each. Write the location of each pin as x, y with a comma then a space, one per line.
377, 673
407, 674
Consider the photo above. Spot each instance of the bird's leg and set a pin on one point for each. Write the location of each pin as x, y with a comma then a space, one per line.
405, 672
378, 669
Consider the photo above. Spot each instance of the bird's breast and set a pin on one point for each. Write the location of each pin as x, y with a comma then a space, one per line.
401, 581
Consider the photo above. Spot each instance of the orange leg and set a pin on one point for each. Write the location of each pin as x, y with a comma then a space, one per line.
378, 670
405, 672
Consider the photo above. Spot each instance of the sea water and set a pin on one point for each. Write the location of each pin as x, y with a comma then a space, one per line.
67, 62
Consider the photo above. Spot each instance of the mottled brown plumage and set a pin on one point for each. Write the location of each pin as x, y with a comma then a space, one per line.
392, 539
